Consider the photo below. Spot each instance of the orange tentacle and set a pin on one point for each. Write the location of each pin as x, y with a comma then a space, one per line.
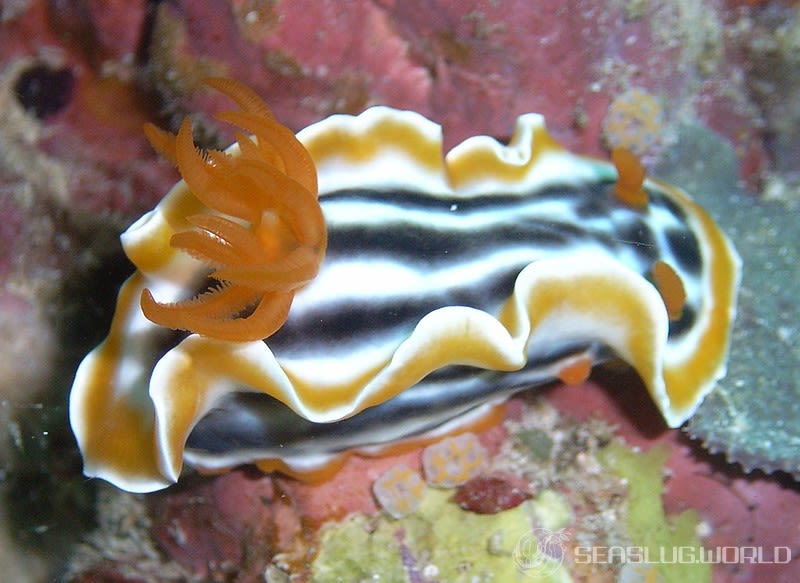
299, 164
299, 206
208, 182
218, 304
289, 273
268, 316
266, 319
247, 99
271, 187
242, 240
204, 247
162, 141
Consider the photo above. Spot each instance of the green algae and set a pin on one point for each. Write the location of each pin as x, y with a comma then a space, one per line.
350, 552
647, 525
441, 541
551, 510
537, 442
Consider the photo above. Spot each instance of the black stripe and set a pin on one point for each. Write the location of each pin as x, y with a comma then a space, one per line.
255, 420
348, 323
343, 323
686, 250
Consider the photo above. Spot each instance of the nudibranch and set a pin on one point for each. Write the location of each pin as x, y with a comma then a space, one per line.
448, 283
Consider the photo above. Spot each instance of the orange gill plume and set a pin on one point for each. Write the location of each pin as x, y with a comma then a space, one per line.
263, 236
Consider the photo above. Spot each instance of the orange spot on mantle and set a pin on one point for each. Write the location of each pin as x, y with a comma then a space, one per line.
576, 372
628, 189
670, 286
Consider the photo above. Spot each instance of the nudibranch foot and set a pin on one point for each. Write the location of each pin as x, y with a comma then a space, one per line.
449, 283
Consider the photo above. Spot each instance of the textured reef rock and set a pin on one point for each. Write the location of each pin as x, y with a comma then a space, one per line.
754, 413
471, 66
74, 170
587, 488
734, 508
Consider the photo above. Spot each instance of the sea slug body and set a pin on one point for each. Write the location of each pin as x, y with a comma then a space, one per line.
447, 284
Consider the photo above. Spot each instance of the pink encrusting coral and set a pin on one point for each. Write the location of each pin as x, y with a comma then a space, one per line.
454, 461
